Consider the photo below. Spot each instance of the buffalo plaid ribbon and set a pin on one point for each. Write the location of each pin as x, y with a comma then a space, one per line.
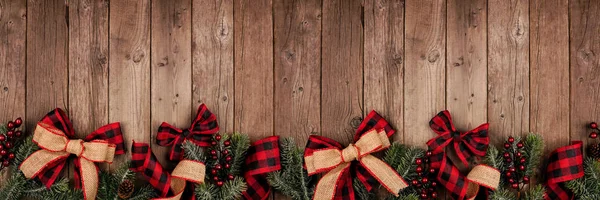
200, 133
144, 161
466, 145
564, 164
53, 135
262, 157
326, 155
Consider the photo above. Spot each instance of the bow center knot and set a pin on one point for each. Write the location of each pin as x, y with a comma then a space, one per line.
185, 133
75, 147
350, 153
456, 136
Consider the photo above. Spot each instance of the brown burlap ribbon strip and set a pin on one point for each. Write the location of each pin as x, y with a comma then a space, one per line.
55, 145
336, 161
482, 175
186, 170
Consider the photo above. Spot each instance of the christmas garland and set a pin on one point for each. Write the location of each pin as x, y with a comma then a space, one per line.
213, 165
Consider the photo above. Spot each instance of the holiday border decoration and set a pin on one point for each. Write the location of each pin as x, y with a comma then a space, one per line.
324, 155
263, 158
11, 133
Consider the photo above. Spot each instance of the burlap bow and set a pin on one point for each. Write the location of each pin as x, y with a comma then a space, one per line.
143, 160
55, 145
325, 155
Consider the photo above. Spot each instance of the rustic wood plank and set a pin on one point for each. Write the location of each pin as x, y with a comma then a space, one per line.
550, 71
425, 77
297, 44
88, 65
129, 74
508, 68
47, 46
342, 71
466, 66
253, 68
171, 71
585, 65
212, 51
384, 61
13, 22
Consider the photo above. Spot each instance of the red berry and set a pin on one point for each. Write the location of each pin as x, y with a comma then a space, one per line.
18, 133
213, 143
2, 138
216, 178
522, 167
227, 166
8, 145
514, 186
434, 195
213, 171
512, 169
219, 183
213, 152
419, 169
428, 153
6, 163
506, 145
423, 195
593, 125
18, 122
225, 152
425, 180
433, 184
511, 181
11, 156
230, 177
10, 125
419, 161
523, 160
10, 133
526, 179
506, 155
218, 166
519, 154
431, 170
217, 137
214, 157
414, 182
508, 174
511, 139
228, 158
3, 152
227, 143
520, 145
508, 160
593, 135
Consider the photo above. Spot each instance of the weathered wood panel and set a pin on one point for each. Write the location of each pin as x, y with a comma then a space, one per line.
466, 65
297, 44
212, 52
342, 71
129, 70
171, 73
253, 68
384, 61
508, 68
549, 72
425, 71
585, 66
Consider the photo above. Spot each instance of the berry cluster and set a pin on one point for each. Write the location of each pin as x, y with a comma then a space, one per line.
7, 141
594, 133
426, 184
219, 160
514, 159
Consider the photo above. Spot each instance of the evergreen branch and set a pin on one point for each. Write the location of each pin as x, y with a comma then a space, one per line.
145, 192
493, 158
233, 189
587, 187
13, 188
536, 192
410, 196
402, 158
192, 151
239, 146
502, 194
206, 191
59, 190
361, 192
24, 150
292, 180
533, 145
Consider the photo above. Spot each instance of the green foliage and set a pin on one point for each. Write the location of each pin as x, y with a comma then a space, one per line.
109, 185
502, 194
361, 191
192, 151
239, 146
402, 158
231, 190
292, 180
587, 187
536, 192
533, 145
410, 196
493, 158
60, 190
24, 149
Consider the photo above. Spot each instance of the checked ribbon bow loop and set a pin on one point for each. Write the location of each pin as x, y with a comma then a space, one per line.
262, 158
323, 155
143, 160
52, 134
564, 164
200, 133
466, 145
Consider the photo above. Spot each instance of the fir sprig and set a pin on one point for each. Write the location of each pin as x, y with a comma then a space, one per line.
239, 146
502, 194
292, 180
361, 191
587, 187
533, 145
109, 184
402, 158
192, 151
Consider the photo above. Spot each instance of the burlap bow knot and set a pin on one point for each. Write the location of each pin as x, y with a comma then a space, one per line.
55, 145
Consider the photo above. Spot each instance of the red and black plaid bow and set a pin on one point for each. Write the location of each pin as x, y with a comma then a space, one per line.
200, 133
474, 142
263, 157
344, 189
58, 120
564, 164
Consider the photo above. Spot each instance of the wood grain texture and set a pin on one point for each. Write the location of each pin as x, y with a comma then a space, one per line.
47, 48
297, 45
549, 71
425, 76
253, 68
585, 65
466, 65
384, 61
508, 68
212, 52
129, 73
13, 24
88, 65
171, 85
342, 61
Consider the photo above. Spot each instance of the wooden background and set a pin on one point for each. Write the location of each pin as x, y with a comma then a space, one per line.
300, 67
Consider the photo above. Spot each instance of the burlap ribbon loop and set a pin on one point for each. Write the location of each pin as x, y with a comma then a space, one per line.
336, 161
186, 170
55, 145
482, 175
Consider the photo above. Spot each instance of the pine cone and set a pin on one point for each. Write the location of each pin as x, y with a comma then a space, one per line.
594, 151
125, 189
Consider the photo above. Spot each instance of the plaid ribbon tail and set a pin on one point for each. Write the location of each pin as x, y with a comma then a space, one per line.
449, 176
263, 157
564, 164
110, 133
144, 161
